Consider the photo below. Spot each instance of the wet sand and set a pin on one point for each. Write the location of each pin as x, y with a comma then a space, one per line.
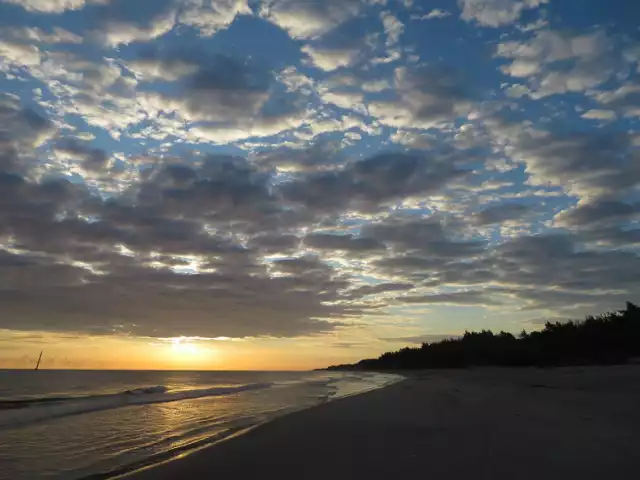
574, 423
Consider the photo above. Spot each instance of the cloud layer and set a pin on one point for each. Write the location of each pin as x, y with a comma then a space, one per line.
288, 168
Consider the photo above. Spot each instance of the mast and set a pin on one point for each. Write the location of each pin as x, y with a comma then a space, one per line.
39, 358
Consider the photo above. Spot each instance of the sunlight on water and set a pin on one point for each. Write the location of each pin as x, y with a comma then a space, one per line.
86, 423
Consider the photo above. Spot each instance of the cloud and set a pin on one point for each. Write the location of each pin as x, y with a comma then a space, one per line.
321, 156
222, 99
413, 139
346, 100
259, 126
330, 59
495, 13
421, 236
393, 27
597, 114
153, 66
624, 99
391, 56
19, 55
557, 63
54, 6
555, 262
21, 131
121, 32
427, 97
615, 236
273, 243
349, 243
366, 290
309, 19
517, 91
216, 306
57, 35
79, 272
211, 16
90, 93
370, 183
146, 177
542, 272
589, 214
586, 165
436, 13
467, 298
91, 160
376, 85
502, 213
545, 272
419, 339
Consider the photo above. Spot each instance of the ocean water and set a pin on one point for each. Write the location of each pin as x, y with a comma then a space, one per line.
99, 424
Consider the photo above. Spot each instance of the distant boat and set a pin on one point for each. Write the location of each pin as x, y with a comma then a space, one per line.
39, 358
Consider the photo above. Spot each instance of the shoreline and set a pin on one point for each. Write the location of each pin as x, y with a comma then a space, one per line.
211, 442
486, 423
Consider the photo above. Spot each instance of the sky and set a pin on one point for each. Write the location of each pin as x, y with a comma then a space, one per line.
287, 184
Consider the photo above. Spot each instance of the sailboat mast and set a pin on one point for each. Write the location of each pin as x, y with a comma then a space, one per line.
39, 358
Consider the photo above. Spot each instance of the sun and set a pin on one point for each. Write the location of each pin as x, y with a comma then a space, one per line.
183, 347
190, 353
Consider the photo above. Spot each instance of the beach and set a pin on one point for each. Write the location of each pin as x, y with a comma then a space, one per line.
71, 425
581, 423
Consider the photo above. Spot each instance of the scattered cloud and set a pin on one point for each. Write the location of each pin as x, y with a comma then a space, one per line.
436, 13
57, 35
597, 114
625, 100
121, 32
501, 213
309, 19
557, 63
325, 241
393, 27
330, 59
210, 17
419, 339
495, 13
426, 97
470, 298
585, 165
54, 6
289, 168
20, 55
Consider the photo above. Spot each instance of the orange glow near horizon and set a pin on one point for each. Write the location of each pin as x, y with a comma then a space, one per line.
21, 350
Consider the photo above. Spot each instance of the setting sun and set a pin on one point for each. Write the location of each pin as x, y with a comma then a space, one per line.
183, 347
185, 351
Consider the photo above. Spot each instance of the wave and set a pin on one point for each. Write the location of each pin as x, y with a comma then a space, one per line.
27, 411
147, 390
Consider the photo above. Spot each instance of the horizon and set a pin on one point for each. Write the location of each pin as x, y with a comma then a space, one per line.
143, 370
268, 185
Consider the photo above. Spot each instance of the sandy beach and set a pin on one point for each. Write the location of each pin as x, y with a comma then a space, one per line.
581, 423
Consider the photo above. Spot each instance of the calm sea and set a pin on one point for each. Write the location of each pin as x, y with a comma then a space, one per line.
98, 424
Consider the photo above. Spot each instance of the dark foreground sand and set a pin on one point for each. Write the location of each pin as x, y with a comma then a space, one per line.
579, 423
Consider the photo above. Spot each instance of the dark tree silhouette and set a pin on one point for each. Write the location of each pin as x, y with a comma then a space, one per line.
611, 338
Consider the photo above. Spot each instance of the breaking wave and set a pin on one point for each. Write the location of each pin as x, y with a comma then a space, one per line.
27, 411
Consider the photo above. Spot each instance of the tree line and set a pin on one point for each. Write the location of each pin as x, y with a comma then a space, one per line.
611, 338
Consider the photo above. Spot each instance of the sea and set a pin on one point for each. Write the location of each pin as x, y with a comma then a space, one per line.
72, 424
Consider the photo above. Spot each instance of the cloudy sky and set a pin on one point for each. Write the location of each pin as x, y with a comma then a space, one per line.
289, 183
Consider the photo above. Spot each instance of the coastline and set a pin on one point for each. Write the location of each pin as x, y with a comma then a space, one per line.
484, 423
187, 450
